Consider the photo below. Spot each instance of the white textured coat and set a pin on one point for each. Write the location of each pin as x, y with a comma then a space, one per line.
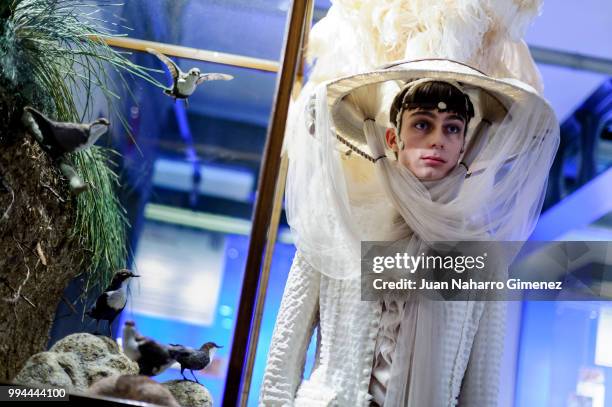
345, 346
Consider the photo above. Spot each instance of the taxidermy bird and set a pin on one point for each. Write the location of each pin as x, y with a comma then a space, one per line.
193, 359
60, 138
112, 301
152, 357
185, 83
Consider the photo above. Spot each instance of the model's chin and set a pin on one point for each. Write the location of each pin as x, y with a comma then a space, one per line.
430, 173
431, 178
426, 172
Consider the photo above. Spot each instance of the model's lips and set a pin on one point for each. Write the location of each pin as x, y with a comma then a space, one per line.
433, 159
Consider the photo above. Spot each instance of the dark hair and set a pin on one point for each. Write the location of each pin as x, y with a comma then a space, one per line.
428, 95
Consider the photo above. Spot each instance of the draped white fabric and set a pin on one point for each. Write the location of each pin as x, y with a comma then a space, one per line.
329, 216
501, 200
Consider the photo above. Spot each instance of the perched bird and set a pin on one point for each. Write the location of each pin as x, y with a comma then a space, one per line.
112, 301
193, 359
152, 357
60, 138
185, 83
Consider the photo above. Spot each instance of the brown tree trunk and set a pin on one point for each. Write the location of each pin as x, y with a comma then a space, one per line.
38, 257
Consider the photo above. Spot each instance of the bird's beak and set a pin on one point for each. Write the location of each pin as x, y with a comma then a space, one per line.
134, 275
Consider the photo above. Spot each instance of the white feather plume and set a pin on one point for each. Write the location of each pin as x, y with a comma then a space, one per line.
357, 35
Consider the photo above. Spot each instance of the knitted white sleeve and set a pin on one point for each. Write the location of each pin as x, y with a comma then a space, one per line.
480, 385
294, 326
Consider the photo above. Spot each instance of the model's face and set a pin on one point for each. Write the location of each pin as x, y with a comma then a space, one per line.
432, 142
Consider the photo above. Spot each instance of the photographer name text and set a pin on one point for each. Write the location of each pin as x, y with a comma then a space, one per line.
461, 284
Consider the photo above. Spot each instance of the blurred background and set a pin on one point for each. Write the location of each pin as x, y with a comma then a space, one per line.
189, 176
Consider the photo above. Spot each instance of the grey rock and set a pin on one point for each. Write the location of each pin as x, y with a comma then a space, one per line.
52, 369
76, 362
138, 388
189, 394
89, 347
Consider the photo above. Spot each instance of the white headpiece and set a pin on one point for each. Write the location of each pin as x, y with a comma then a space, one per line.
508, 156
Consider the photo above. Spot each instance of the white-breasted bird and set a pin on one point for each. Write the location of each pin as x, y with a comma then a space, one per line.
60, 138
112, 301
193, 359
152, 357
185, 83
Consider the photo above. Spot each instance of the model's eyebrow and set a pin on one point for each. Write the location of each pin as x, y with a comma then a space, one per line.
427, 113
432, 115
455, 117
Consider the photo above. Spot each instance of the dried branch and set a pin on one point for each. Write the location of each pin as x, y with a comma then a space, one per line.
17, 292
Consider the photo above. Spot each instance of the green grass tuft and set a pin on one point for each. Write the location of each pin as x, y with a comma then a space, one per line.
49, 53
101, 222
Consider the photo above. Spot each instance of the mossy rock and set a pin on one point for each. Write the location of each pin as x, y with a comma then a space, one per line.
76, 362
189, 394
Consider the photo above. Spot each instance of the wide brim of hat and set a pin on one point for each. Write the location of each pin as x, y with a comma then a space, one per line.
503, 93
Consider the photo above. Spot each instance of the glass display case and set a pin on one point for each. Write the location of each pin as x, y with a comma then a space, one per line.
190, 171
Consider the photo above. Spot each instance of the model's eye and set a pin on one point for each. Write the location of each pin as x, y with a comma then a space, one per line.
454, 129
421, 125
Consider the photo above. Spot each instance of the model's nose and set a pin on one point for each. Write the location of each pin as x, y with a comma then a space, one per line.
437, 138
